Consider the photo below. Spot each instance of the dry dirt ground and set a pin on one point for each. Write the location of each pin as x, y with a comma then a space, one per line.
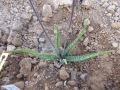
19, 28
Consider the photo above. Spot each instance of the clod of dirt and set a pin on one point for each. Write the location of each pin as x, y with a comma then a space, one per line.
20, 85
4, 38
10, 47
17, 26
72, 83
73, 75
47, 11
42, 64
63, 74
17, 41
86, 41
90, 29
59, 84
115, 25
25, 66
86, 20
111, 8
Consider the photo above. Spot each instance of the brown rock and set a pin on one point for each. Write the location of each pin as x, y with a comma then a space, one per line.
63, 74
17, 41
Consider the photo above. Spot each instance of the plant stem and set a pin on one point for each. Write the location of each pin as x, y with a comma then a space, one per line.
42, 25
69, 25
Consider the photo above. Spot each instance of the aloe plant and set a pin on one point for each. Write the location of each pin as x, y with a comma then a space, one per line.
63, 57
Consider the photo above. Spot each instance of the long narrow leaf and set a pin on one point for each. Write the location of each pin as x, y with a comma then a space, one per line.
57, 42
85, 57
70, 46
39, 55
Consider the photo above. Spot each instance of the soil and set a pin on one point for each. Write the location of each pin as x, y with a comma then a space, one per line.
19, 28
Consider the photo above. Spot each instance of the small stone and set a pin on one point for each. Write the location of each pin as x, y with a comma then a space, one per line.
46, 86
86, 4
105, 5
115, 25
26, 16
72, 83
83, 76
17, 41
86, 41
109, 14
5, 80
59, 84
20, 85
47, 11
111, 8
116, 14
101, 25
115, 44
75, 88
116, 18
86, 21
17, 26
63, 74
39, 32
42, 64
19, 76
36, 74
42, 40
73, 75
46, 19
10, 47
90, 28
28, 9
34, 18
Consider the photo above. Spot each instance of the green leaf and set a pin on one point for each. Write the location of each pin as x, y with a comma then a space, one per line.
70, 46
36, 54
86, 56
57, 42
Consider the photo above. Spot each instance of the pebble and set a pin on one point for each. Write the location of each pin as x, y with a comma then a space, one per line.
46, 86
59, 84
19, 76
20, 85
42, 40
115, 44
116, 18
17, 26
47, 11
111, 9
105, 4
86, 4
72, 83
115, 25
83, 76
17, 41
75, 88
86, 20
34, 61
5, 80
109, 14
90, 29
26, 16
10, 47
73, 75
86, 41
46, 19
63, 74
11, 37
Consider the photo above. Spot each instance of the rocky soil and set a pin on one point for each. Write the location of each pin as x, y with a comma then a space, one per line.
19, 28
